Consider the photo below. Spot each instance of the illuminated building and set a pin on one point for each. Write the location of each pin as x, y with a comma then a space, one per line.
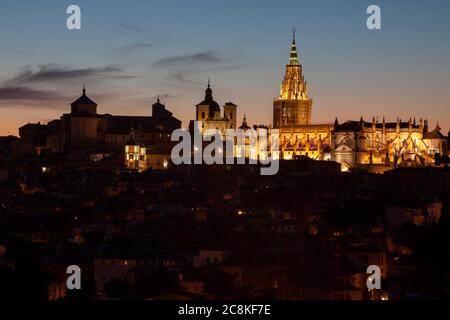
135, 155
292, 116
56, 290
386, 144
293, 106
209, 114
245, 149
380, 145
251, 145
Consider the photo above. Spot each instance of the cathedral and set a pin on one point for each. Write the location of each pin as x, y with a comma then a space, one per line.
292, 115
386, 144
145, 141
377, 145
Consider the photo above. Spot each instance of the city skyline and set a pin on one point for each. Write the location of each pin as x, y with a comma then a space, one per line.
232, 153
138, 53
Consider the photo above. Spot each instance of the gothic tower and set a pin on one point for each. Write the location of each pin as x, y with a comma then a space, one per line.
293, 106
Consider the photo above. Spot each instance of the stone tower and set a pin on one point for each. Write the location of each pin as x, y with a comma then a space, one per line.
293, 106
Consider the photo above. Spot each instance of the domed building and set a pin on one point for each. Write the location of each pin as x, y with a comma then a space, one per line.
208, 112
146, 139
83, 126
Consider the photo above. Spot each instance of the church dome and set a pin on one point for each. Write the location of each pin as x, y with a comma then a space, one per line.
209, 101
84, 99
84, 106
244, 125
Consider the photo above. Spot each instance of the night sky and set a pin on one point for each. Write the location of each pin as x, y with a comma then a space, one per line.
129, 52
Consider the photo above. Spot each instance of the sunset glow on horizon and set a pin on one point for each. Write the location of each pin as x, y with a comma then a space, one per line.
127, 57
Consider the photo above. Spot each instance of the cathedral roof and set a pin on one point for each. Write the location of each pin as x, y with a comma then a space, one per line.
159, 110
84, 99
349, 126
356, 125
435, 134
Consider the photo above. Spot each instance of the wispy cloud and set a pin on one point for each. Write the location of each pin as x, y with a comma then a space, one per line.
183, 68
51, 85
23, 93
55, 72
208, 57
183, 76
127, 49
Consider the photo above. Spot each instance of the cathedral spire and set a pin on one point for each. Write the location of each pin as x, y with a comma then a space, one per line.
293, 59
336, 123
293, 94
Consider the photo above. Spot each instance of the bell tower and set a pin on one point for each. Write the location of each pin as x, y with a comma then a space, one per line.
293, 106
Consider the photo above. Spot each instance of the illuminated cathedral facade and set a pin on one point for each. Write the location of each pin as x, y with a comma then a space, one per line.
386, 144
292, 115
377, 144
